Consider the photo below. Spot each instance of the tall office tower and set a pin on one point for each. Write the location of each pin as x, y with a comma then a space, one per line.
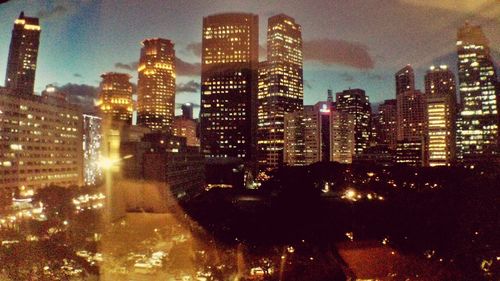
229, 86
115, 96
294, 139
323, 111
411, 126
478, 120
23, 52
156, 85
301, 143
355, 101
342, 134
387, 123
280, 87
405, 80
187, 110
411, 119
440, 91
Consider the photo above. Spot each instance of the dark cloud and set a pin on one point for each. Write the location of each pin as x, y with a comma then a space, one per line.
82, 95
184, 68
56, 11
347, 77
132, 66
188, 87
77, 75
194, 48
374, 76
338, 52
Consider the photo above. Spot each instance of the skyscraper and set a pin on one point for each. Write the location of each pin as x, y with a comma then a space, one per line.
411, 125
405, 80
342, 135
441, 102
23, 53
355, 102
156, 85
187, 110
387, 123
229, 85
478, 120
411, 115
318, 133
115, 97
280, 87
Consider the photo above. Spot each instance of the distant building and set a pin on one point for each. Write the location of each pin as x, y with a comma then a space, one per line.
440, 91
280, 88
405, 80
41, 142
293, 142
380, 155
228, 114
411, 118
187, 110
343, 136
410, 153
23, 54
115, 96
355, 102
477, 134
319, 133
169, 160
92, 148
156, 85
184, 127
386, 123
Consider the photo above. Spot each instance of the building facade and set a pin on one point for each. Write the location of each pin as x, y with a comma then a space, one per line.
228, 114
411, 119
92, 146
280, 88
478, 138
184, 127
405, 80
356, 103
115, 96
156, 85
386, 124
41, 143
169, 160
319, 133
23, 54
440, 91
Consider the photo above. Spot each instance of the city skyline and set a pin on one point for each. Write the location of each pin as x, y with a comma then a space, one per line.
370, 67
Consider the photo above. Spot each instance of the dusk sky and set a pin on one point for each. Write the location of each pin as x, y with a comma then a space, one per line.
357, 44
